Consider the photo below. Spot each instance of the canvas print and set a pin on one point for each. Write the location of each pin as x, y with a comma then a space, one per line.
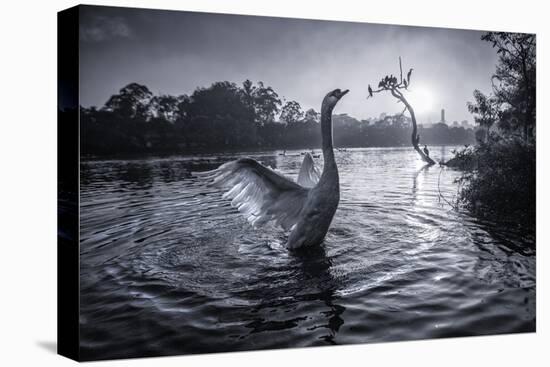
247, 183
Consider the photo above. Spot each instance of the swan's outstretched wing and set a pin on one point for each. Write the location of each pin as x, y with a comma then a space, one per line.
309, 175
258, 192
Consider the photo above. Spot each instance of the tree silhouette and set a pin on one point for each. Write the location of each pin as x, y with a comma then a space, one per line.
131, 102
217, 110
391, 84
312, 116
262, 100
485, 110
267, 103
514, 83
165, 107
291, 112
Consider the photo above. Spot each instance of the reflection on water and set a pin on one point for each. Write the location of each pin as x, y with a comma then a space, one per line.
169, 267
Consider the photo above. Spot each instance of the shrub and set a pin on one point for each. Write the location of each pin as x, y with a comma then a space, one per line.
502, 184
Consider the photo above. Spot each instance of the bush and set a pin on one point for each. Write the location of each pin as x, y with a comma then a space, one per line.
502, 184
464, 159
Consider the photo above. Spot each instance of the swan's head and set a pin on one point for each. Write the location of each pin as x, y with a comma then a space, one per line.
333, 97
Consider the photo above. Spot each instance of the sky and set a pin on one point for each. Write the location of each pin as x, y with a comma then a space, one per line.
174, 52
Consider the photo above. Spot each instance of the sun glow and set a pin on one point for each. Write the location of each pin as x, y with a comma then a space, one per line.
421, 99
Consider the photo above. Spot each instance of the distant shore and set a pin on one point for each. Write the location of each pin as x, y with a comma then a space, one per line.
167, 154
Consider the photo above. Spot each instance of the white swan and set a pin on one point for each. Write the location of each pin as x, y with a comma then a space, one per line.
263, 195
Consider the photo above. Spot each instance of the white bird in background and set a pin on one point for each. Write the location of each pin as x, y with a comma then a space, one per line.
305, 207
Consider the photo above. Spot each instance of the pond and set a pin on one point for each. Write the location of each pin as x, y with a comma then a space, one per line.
169, 267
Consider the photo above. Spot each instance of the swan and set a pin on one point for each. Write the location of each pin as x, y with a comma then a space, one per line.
262, 195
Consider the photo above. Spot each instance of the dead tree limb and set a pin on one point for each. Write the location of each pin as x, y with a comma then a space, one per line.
390, 84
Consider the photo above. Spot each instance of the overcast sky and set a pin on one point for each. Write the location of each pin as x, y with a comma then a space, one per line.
173, 52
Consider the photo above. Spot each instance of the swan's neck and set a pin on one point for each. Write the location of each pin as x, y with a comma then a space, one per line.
326, 135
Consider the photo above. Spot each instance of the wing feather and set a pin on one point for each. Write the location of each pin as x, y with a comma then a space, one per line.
309, 175
259, 193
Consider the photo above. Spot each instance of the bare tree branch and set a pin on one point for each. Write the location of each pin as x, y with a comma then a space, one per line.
392, 85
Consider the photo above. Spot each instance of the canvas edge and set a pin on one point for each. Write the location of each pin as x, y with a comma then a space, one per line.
68, 299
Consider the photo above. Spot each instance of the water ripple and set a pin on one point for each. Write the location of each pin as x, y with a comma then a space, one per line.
169, 267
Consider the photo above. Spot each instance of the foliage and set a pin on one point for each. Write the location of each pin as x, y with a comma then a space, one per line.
512, 103
263, 101
291, 112
131, 102
464, 159
503, 183
485, 110
500, 178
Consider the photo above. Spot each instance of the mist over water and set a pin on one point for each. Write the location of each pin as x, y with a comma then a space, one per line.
169, 267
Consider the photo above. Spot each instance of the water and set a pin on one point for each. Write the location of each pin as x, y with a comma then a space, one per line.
169, 267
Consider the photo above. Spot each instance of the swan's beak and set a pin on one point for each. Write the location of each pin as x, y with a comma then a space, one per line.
344, 92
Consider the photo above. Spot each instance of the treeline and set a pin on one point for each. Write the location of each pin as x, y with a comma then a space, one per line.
227, 116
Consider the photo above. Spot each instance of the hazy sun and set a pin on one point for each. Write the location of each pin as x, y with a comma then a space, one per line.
421, 99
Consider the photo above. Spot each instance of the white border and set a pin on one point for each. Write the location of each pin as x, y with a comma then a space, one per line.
28, 182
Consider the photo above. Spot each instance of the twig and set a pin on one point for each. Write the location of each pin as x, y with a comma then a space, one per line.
400, 71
